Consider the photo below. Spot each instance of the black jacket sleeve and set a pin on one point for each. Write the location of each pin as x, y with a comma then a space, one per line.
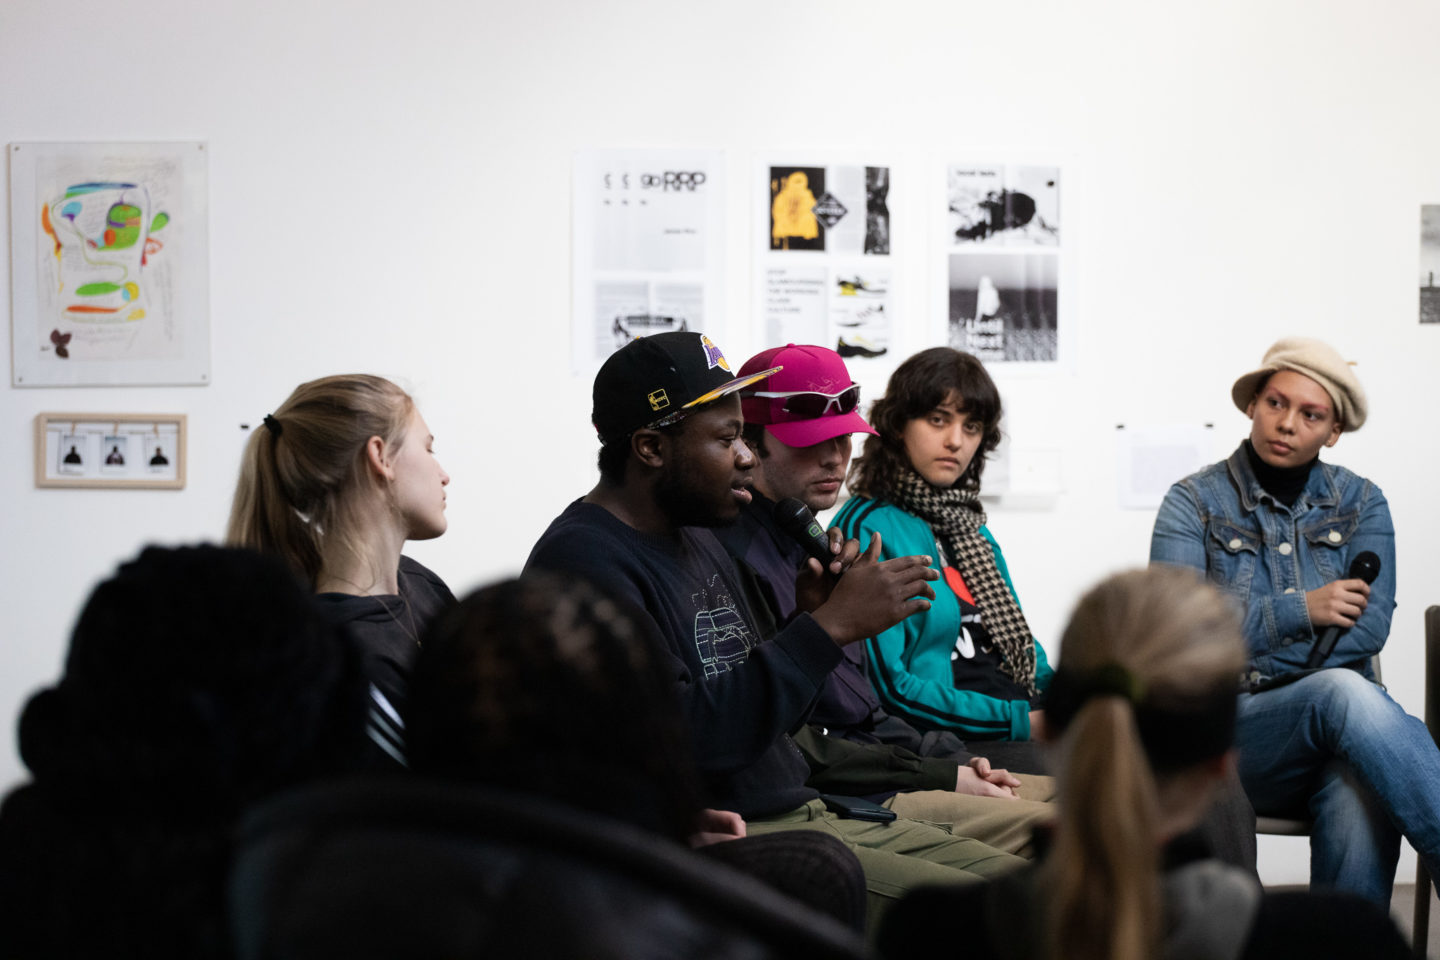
860, 769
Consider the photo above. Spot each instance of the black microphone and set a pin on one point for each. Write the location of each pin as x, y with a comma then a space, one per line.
795, 518
1365, 566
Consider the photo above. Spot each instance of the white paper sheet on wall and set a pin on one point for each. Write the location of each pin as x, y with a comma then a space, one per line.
1023, 477
648, 247
1150, 459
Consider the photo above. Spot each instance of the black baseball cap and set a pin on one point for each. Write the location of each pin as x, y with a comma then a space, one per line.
654, 380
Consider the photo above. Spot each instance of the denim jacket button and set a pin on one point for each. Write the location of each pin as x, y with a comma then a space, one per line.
1235, 543
1334, 536
1289, 590
1285, 549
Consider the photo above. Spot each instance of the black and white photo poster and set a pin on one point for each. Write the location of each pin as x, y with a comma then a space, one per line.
1003, 306
648, 247
1004, 205
1003, 257
823, 267
1429, 263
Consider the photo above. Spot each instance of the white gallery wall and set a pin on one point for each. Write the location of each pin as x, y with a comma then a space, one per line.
390, 192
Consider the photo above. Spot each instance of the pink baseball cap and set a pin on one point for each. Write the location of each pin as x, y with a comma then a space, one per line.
811, 400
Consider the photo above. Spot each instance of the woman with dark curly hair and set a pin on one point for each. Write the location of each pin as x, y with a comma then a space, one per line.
969, 664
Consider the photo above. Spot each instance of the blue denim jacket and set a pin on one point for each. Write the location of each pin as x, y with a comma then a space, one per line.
1267, 555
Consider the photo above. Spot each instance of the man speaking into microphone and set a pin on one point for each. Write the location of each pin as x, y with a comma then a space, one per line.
1287, 536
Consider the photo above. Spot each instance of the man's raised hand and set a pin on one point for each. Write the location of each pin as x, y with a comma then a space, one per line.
876, 594
814, 582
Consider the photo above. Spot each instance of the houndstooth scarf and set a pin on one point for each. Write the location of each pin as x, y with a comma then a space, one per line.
956, 517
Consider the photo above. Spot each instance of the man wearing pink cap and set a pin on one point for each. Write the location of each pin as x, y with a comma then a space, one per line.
799, 424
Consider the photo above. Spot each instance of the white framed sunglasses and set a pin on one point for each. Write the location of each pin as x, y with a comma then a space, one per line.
810, 404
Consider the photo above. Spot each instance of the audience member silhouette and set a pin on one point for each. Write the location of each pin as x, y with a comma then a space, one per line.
1142, 718
198, 681
542, 686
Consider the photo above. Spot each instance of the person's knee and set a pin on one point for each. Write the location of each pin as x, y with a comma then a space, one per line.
1338, 683
1345, 697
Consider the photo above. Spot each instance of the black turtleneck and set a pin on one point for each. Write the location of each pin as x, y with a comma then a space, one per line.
1282, 483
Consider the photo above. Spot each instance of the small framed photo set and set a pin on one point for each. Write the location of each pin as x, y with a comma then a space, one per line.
110, 450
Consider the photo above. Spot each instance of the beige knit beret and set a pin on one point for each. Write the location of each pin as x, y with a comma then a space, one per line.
1316, 360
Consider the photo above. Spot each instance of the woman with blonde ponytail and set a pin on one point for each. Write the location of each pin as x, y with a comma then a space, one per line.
1141, 722
335, 481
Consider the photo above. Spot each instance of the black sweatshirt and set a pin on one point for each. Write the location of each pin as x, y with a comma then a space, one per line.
387, 630
740, 696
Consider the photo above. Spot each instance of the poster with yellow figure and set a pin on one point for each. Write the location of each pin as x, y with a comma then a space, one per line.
824, 266
793, 224
109, 244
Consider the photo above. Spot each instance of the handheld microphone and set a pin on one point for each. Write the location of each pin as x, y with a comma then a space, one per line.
795, 519
1365, 566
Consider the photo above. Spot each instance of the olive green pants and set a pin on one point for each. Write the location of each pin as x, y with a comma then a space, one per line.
900, 855
1003, 823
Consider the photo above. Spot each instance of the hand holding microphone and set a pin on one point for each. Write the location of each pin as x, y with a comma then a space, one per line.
797, 520
873, 596
1338, 604
829, 554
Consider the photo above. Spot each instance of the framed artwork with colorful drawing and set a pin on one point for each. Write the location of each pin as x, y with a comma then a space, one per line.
110, 450
110, 264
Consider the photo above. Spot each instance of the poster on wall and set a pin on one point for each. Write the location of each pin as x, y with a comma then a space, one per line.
648, 247
824, 263
110, 264
1003, 256
1429, 262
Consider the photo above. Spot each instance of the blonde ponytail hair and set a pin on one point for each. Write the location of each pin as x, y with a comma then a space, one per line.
301, 471
1166, 640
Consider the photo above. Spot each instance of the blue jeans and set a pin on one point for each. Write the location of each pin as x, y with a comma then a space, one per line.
1335, 745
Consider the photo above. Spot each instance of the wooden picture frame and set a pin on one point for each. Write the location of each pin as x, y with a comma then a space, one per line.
128, 450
